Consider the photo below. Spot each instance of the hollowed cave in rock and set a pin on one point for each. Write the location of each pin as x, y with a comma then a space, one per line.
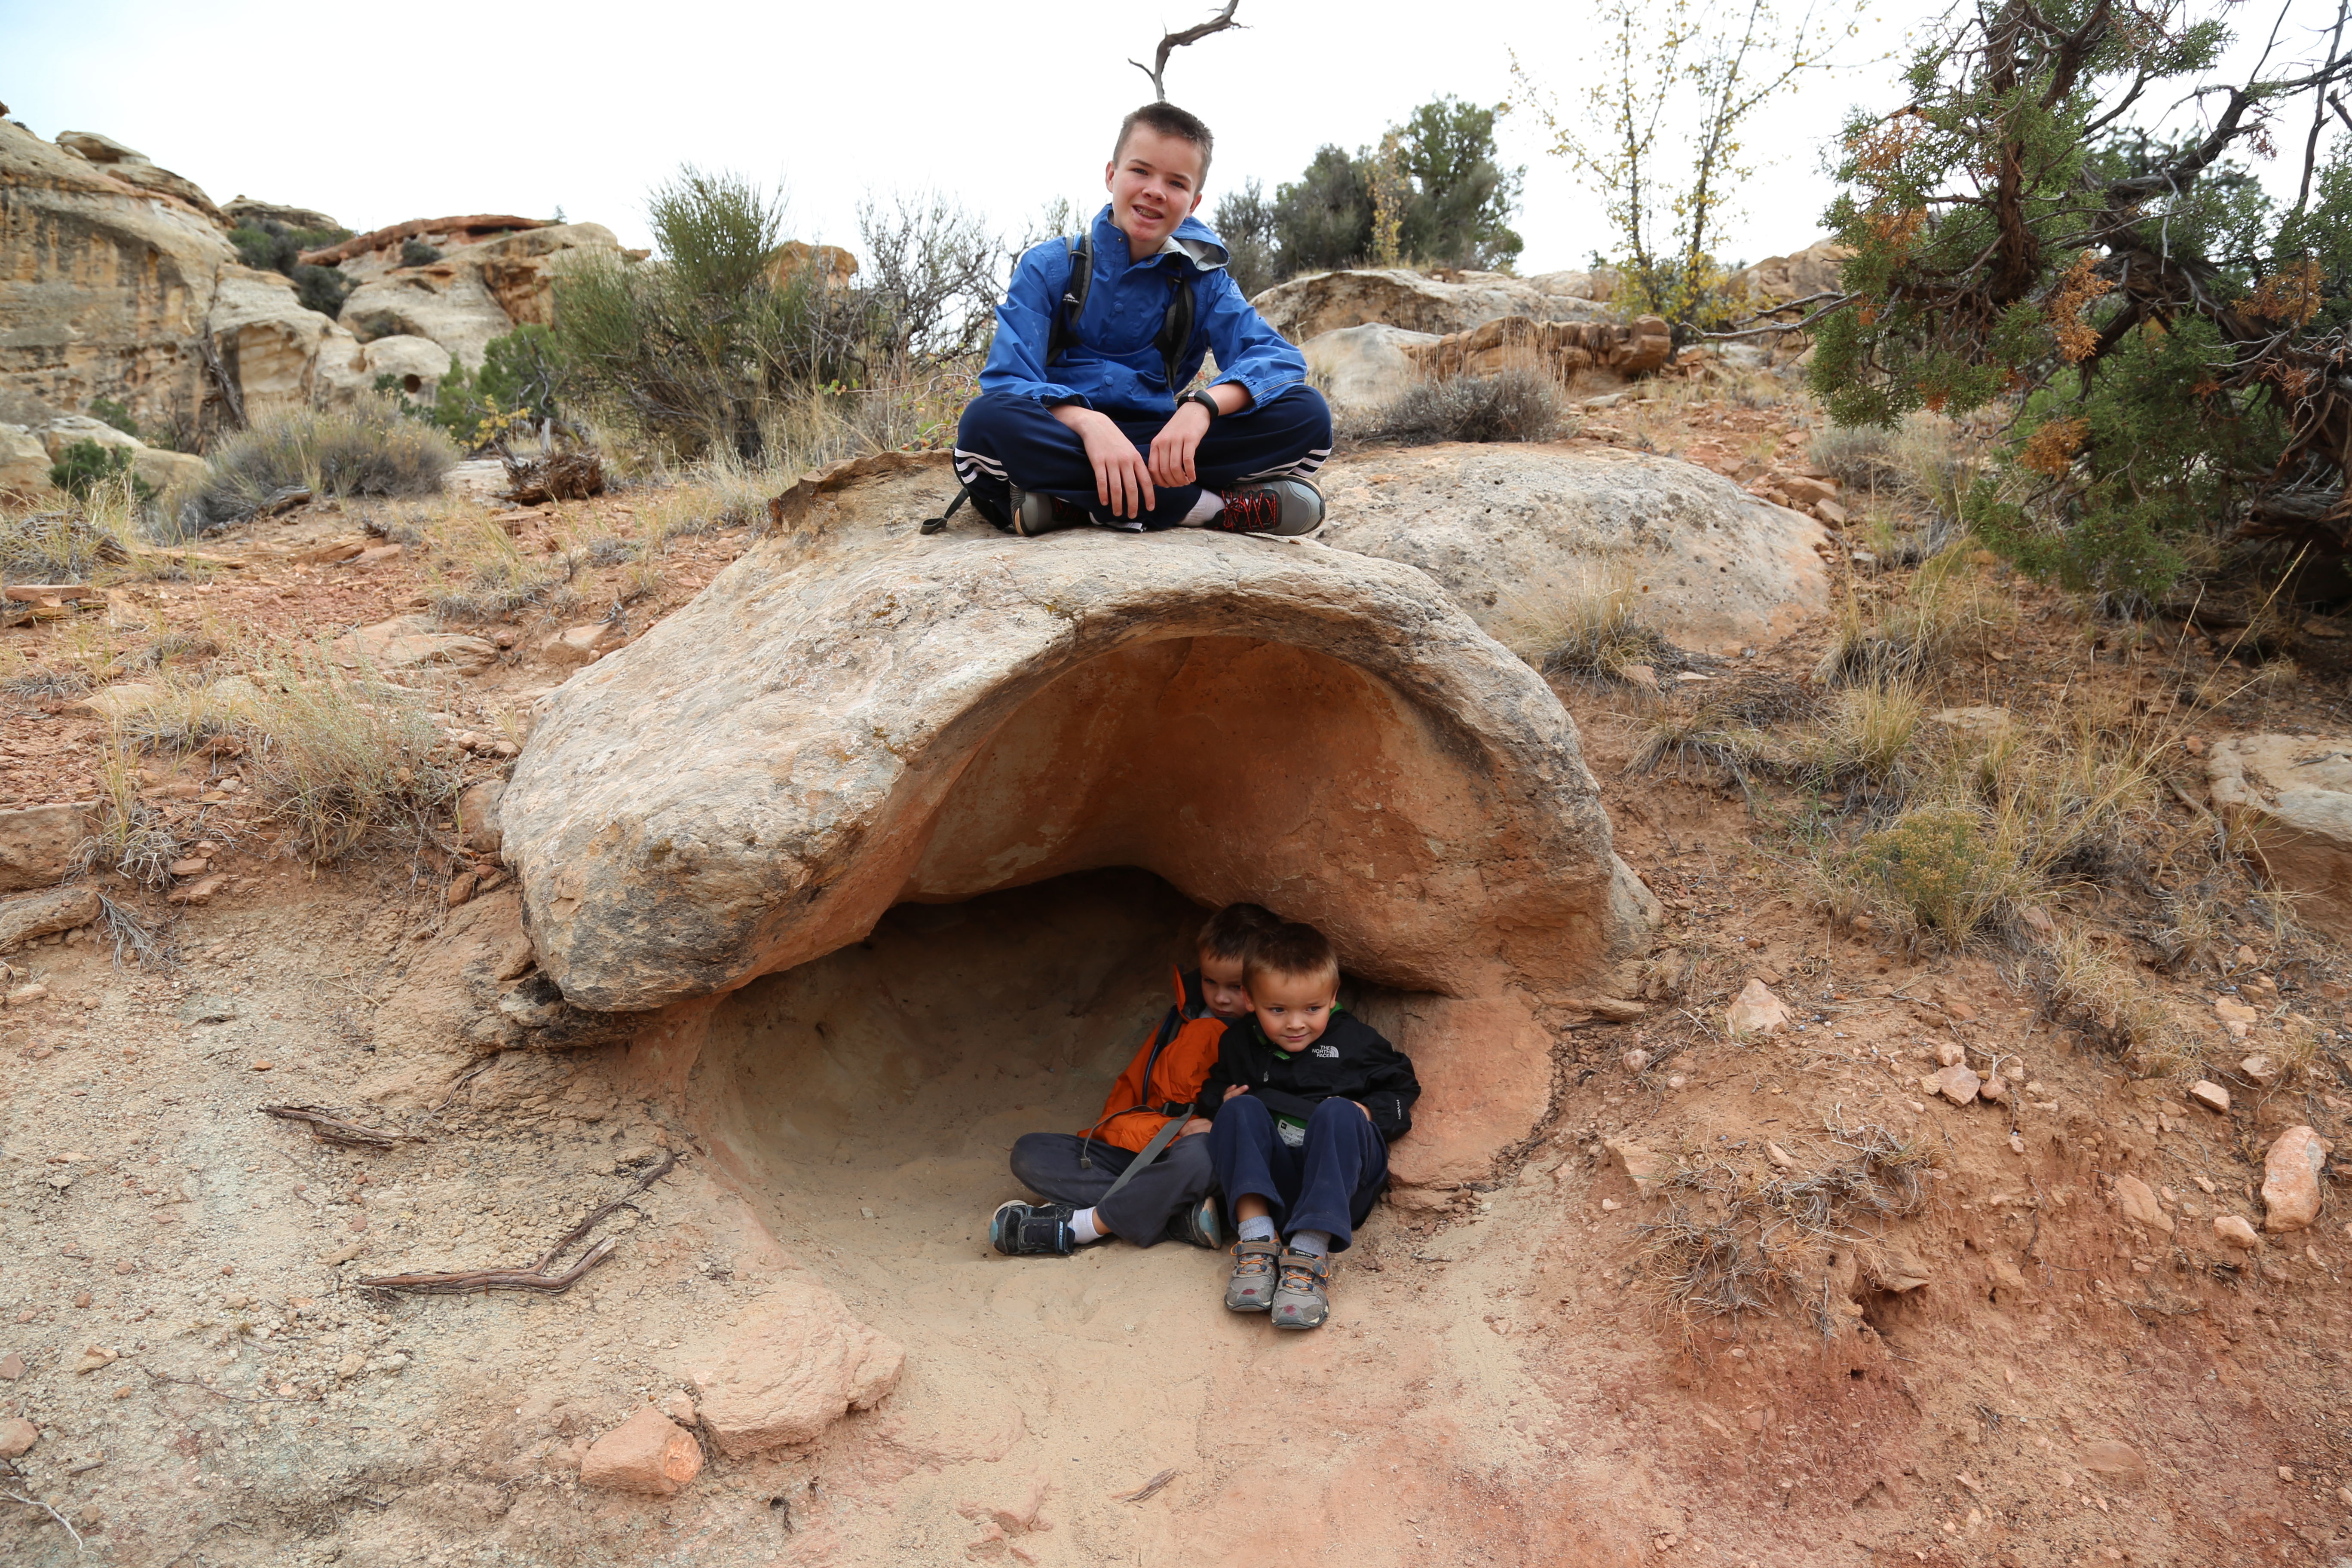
893, 1074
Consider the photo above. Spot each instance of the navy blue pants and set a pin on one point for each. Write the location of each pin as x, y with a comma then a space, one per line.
1006, 440
1329, 1184
1049, 1163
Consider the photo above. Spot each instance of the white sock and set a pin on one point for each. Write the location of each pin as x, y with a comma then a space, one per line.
1258, 1229
1207, 506
1083, 1227
1314, 1243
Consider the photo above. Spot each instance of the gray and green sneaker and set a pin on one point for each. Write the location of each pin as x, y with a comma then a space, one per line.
1198, 1224
1031, 1230
1299, 1298
1251, 1289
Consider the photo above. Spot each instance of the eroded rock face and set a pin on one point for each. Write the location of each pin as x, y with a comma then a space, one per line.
103, 285
475, 292
854, 716
1322, 301
786, 1374
1367, 365
2299, 790
280, 353
1777, 279
1564, 348
1508, 528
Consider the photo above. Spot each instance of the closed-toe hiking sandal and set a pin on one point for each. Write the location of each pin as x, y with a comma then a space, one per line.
1034, 514
1251, 1290
1288, 509
1032, 1230
1299, 1298
1198, 1224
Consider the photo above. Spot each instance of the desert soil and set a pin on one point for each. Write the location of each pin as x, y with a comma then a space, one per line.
1505, 1381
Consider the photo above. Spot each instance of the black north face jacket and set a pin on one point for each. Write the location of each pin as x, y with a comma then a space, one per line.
1350, 1061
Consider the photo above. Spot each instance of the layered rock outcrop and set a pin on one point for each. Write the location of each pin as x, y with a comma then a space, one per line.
104, 287
1565, 348
1305, 308
478, 292
857, 716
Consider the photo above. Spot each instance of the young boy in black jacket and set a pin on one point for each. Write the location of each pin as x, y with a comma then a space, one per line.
1304, 1101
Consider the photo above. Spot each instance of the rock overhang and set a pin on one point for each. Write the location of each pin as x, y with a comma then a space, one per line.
854, 716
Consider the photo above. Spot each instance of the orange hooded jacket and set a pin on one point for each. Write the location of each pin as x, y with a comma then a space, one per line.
1185, 1043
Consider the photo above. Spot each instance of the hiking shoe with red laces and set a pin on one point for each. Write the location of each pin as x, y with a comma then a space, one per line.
1299, 1298
1288, 509
1251, 1290
1034, 514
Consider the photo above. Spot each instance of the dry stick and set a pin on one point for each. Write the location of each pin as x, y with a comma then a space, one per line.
492, 1278
1149, 1487
585, 1226
53, 1513
333, 1130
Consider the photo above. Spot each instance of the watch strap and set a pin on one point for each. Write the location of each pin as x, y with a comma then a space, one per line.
1207, 402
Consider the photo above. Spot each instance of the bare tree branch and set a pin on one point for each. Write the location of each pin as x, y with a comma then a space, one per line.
1158, 69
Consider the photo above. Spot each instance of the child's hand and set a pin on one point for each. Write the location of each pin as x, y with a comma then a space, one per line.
1362, 1107
1172, 448
1235, 1089
1122, 483
1195, 1128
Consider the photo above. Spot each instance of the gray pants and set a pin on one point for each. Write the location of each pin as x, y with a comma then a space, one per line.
1047, 1165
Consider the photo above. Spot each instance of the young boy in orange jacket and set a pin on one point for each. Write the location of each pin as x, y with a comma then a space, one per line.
1142, 1169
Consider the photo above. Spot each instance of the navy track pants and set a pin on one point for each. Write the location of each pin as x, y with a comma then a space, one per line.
1327, 1183
1049, 1164
1005, 440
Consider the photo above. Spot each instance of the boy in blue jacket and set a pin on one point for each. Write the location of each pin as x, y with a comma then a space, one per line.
1080, 419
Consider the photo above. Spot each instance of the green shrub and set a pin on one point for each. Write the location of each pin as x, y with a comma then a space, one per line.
370, 451
1513, 405
86, 466
271, 246
1434, 191
417, 253
1945, 868
107, 412
2165, 332
700, 347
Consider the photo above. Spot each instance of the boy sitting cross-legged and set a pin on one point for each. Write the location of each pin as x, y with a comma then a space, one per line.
1083, 416
1306, 1100
1140, 1172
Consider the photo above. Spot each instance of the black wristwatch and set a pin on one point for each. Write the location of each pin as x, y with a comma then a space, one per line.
1207, 402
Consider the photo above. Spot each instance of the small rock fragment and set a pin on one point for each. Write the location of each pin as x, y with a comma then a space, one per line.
2291, 1175
1949, 1055
1636, 1060
17, 1437
1755, 1010
1648, 1171
12, 1366
2209, 1095
2120, 1463
2236, 1232
2260, 1070
1958, 1085
647, 1453
2137, 1200
1780, 1156
680, 1408
1994, 1088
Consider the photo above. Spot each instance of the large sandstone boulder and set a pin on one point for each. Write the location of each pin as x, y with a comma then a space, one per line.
1364, 366
25, 462
854, 715
104, 285
2297, 790
1778, 279
1511, 530
1322, 301
272, 346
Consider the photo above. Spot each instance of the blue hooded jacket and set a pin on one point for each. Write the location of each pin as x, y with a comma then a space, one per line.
1112, 363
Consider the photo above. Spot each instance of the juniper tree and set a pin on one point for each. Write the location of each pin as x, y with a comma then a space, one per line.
2165, 342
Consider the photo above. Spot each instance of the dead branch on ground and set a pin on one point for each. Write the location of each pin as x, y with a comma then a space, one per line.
329, 1128
536, 1277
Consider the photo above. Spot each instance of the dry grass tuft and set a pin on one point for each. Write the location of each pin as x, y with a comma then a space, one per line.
496, 580
1593, 632
1868, 734
370, 450
1516, 403
1734, 1241
343, 763
2109, 999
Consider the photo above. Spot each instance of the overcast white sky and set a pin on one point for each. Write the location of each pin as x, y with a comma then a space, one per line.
376, 116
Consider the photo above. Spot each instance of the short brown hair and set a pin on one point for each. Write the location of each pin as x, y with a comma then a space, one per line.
1169, 121
1234, 930
1294, 950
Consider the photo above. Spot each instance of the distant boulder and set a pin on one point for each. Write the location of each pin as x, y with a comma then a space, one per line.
1319, 302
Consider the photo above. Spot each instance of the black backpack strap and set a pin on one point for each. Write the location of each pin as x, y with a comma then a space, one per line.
1176, 329
1063, 331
